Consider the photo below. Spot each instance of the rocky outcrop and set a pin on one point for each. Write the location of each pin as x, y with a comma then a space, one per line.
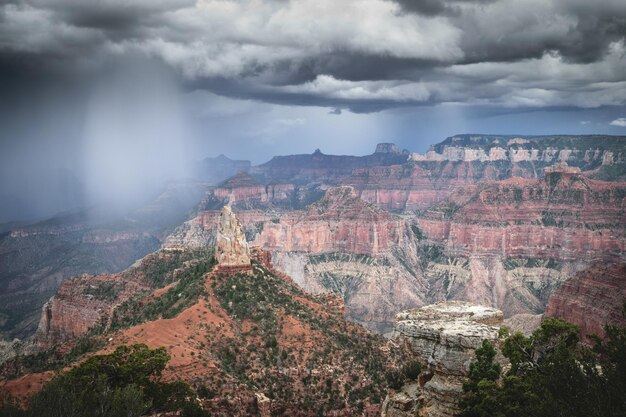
523, 323
231, 248
75, 309
592, 298
443, 338
86, 304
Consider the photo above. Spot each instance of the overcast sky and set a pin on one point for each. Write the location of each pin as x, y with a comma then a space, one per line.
106, 93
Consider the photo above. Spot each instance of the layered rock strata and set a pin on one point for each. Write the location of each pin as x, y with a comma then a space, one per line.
339, 244
591, 299
443, 337
511, 243
584, 151
81, 304
562, 216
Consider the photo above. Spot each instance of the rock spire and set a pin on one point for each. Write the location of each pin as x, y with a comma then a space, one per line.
231, 246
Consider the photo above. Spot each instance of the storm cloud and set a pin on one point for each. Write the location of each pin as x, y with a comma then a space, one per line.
366, 55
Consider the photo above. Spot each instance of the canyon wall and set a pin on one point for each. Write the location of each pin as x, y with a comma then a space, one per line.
507, 244
339, 244
592, 298
511, 243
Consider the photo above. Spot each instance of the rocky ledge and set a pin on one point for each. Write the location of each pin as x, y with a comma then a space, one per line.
443, 337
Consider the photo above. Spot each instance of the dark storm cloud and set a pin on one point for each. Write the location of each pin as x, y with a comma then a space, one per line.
436, 7
360, 54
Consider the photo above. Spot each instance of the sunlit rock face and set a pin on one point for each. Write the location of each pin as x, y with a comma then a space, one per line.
231, 246
443, 337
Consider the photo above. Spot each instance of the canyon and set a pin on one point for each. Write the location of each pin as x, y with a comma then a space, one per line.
250, 336
434, 251
507, 244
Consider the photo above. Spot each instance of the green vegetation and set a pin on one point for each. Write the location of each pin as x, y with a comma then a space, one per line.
548, 218
339, 366
431, 253
125, 383
449, 209
190, 286
106, 291
553, 179
344, 285
346, 257
552, 375
397, 377
550, 263
158, 270
615, 172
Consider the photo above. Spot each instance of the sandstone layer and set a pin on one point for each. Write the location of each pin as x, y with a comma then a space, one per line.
583, 151
511, 243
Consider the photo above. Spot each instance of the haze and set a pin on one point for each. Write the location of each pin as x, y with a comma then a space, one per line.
102, 103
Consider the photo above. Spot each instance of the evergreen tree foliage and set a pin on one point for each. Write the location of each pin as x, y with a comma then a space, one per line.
125, 383
552, 375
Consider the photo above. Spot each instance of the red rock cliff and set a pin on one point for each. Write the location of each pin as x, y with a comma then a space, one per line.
563, 216
592, 298
340, 222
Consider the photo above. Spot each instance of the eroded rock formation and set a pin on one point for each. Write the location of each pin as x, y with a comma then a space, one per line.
443, 337
339, 244
231, 248
511, 243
